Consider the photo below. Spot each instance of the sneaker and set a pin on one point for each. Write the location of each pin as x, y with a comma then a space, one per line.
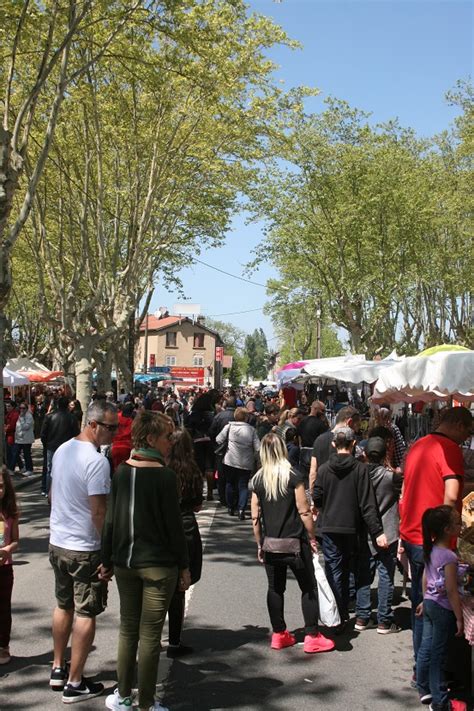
388, 628
178, 650
115, 701
86, 690
361, 624
280, 640
317, 643
27, 473
158, 707
426, 699
58, 678
241, 515
5, 657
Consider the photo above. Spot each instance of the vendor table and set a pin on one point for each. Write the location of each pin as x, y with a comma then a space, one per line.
467, 603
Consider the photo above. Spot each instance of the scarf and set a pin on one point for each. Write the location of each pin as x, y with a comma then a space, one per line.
147, 453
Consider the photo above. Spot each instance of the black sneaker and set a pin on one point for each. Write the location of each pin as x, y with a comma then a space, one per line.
388, 628
58, 678
86, 690
178, 650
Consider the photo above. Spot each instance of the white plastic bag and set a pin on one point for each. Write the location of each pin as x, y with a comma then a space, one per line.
328, 612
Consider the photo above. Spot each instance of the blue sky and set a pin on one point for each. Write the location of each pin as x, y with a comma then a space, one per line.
395, 58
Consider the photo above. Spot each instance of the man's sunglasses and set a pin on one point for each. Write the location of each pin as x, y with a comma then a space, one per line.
110, 428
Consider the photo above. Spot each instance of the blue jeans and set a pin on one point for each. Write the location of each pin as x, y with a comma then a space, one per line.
439, 625
417, 565
338, 549
237, 487
384, 563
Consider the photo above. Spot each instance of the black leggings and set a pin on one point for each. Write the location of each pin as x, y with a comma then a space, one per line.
176, 617
309, 592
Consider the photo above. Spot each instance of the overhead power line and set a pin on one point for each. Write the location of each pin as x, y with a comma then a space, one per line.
235, 313
234, 276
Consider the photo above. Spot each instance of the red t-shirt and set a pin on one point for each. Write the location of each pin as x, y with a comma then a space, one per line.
429, 462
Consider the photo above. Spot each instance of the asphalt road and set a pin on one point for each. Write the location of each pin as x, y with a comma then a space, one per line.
227, 623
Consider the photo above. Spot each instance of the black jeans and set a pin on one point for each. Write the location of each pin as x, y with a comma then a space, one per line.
304, 575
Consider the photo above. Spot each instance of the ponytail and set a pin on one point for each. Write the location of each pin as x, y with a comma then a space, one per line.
433, 523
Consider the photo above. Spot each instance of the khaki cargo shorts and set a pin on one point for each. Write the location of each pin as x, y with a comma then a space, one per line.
77, 586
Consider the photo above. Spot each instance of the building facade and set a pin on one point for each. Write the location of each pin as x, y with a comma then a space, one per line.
185, 346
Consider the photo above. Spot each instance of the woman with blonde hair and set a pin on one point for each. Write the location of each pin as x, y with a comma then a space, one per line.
284, 531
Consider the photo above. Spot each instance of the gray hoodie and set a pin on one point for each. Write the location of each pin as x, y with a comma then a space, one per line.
387, 487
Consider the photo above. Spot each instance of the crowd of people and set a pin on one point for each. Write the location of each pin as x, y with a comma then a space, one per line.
124, 490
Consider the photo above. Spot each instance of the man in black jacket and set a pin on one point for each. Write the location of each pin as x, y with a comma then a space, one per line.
58, 427
345, 498
218, 423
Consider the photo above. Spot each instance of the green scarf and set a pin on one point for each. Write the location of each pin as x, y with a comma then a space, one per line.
148, 453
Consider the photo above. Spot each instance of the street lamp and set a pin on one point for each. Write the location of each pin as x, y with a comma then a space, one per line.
318, 332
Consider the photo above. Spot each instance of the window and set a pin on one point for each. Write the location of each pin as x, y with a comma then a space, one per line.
198, 340
171, 339
170, 360
198, 360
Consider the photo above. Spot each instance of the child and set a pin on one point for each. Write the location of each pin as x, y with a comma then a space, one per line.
441, 606
8, 544
387, 486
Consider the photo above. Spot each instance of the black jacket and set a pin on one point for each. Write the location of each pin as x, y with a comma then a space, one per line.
57, 428
344, 494
220, 421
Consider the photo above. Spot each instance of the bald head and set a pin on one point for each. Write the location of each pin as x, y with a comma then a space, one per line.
317, 407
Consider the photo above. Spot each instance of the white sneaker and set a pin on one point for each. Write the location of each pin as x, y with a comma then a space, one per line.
115, 701
27, 473
158, 707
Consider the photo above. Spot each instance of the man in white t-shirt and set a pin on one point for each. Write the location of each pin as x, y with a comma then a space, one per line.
80, 483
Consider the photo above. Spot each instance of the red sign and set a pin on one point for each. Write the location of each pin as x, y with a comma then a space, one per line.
219, 353
152, 360
189, 375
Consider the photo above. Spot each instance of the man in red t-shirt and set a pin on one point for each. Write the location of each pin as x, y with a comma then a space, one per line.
433, 476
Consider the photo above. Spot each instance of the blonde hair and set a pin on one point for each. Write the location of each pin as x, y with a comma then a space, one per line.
241, 414
274, 474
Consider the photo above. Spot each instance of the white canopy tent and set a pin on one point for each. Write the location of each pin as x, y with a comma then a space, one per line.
441, 376
13, 380
353, 369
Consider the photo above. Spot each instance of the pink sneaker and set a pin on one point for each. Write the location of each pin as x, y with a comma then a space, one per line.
457, 705
280, 640
317, 643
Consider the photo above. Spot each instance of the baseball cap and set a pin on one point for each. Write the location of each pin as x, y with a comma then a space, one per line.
375, 447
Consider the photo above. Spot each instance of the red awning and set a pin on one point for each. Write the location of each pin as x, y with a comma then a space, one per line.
39, 376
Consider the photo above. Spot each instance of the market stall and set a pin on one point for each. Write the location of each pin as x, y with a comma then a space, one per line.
443, 375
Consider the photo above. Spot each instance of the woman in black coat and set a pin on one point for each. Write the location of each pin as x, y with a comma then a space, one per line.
190, 487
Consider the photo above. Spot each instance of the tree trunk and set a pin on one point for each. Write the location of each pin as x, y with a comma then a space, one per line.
107, 370
126, 377
3, 322
83, 369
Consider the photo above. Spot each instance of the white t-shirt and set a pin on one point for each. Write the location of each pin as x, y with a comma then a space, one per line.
78, 472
